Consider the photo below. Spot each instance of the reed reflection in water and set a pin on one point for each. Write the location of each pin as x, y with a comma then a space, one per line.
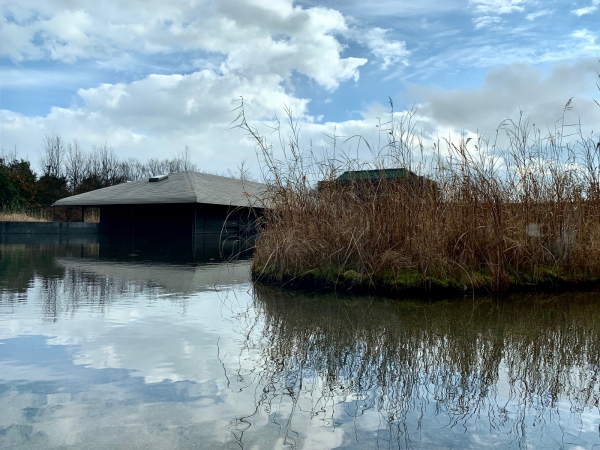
521, 372
181, 354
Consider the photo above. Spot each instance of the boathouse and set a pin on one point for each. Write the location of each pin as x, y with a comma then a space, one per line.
182, 203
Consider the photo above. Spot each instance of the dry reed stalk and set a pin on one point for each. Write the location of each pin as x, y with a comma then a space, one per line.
22, 217
522, 214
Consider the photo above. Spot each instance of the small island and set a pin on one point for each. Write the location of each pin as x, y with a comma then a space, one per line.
464, 216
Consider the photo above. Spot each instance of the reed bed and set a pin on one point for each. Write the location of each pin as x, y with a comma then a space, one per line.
49, 214
9, 215
521, 210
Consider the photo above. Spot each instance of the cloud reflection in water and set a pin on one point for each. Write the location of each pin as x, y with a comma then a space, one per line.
107, 353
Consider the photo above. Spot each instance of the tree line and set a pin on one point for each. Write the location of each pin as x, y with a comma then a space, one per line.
66, 169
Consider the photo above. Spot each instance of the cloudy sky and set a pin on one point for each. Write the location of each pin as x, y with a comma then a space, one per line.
149, 77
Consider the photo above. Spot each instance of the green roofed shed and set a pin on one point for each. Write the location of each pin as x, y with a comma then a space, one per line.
374, 175
366, 182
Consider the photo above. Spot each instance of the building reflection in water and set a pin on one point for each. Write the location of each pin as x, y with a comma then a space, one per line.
96, 271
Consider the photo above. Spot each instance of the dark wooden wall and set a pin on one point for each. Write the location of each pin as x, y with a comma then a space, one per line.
180, 219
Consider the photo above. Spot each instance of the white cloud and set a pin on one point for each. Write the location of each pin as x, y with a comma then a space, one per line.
535, 15
488, 11
259, 46
586, 10
267, 37
497, 6
15, 41
512, 88
585, 35
240, 48
583, 11
485, 21
159, 114
389, 51
483, 53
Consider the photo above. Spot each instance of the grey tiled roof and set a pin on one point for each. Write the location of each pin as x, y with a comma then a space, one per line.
183, 187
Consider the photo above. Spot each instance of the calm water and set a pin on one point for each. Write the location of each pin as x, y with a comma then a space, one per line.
107, 347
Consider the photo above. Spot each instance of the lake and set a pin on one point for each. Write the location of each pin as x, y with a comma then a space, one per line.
104, 345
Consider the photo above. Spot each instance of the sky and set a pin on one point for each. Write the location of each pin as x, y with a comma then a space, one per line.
150, 77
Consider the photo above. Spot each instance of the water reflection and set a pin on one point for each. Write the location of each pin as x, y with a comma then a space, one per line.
20, 263
21, 260
195, 249
519, 371
114, 347
69, 276
101, 352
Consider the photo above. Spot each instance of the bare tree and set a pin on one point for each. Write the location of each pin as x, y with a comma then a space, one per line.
157, 167
76, 165
53, 152
9, 156
102, 167
243, 173
133, 169
185, 160
106, 166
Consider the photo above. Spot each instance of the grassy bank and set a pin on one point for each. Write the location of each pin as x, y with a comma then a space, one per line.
520, 212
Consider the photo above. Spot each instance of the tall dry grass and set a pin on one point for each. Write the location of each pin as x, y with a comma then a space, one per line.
524, 212
10, 215
50, 214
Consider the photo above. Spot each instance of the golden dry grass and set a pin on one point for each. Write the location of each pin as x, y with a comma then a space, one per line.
58, 214
22, 217
526, 213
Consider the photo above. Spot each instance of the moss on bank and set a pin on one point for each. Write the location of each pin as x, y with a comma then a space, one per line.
410, 282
